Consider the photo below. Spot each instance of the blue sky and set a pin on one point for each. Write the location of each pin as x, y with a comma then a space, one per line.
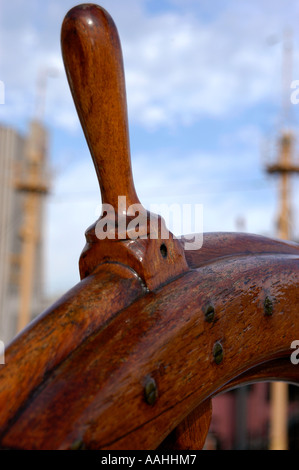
204, 96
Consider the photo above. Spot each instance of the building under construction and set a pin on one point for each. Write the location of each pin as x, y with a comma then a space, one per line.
23, 173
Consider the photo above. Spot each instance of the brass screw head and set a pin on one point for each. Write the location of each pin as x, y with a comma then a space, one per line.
150, 391
218, 352
268, 306
209, 313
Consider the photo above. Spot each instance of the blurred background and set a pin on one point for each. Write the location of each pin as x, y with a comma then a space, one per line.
211, 123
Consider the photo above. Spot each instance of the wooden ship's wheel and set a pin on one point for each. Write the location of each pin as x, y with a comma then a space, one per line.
131, 357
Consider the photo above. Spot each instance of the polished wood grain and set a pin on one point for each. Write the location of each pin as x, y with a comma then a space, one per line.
94, 65
226, 245
166, 337
50, 338
192, 432
154, 266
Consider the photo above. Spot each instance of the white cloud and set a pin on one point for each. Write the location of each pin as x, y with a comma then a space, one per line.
194, 69
179, 67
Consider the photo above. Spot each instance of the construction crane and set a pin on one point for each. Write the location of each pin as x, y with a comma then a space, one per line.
284, 168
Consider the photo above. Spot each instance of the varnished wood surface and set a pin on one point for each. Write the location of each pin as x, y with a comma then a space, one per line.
279, 369
192, 432
143, 255
225, 245
165, 335
56, 333
94, 65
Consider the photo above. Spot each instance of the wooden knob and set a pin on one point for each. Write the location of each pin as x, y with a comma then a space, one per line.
93, 61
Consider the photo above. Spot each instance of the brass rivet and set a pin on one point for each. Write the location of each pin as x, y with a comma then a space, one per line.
150, 391
218, 352
209, 314
268, 306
